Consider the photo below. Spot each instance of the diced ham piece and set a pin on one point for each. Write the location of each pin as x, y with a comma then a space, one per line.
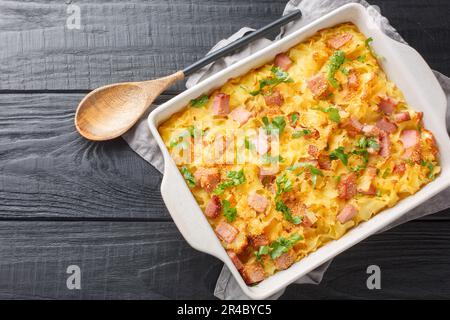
283, 61
313, 151
241, 115
353, 126
401, 116
213, 207
284, 261
221, 105
412, 154
410, 138
399, 168
235, 259
318, 85
387, 126
387, 105
347, 188
261, 143
309, 219
347, 213
257, 202
371, 130
324, 162
371, 172
385, 146
267, 174
226, 232
274, 99
339, 40
259, 241
207, 178
253, 273
297, 207
352, 80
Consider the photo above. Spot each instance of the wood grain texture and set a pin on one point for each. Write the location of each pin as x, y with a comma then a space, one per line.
119, 41
126, 260
48, 170
130, 260
140, 40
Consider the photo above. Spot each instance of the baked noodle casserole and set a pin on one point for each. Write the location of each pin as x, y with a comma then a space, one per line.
295, 153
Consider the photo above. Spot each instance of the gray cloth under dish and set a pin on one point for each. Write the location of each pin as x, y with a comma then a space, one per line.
140, 139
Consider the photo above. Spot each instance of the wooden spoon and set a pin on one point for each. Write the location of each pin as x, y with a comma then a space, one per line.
109, 111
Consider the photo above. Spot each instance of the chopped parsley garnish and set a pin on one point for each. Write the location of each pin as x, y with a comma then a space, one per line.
344, 71
333, 113
334, 64
361, 58
368, 46
278, 247
294, 118
312, 169
358, 168
364, 143
194, 132
386, 173
235, 178
284, 209
263, 250
272, 159
283, 245
248, 144
283, 185
339, 154
365, 155
200, 101
228, 211
279, 76
188, 176
180, 139
277, 126
430, 167
300, 133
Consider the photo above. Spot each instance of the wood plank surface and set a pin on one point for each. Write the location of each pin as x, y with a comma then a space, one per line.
48, 170
118, 41
126, 41
100, 203
150, 260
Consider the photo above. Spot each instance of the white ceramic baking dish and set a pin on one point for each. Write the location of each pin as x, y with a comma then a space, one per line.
402, 64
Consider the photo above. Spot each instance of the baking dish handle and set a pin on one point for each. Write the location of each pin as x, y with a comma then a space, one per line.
188, 217
414, 60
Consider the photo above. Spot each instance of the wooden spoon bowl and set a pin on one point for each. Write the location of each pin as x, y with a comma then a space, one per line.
109, 111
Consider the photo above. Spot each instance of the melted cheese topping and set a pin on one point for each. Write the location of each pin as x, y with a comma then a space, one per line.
316, 197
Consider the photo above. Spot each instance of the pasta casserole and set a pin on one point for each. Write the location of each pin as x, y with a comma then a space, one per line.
295, 153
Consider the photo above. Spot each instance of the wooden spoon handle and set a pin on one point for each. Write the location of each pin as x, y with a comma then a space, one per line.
213, 56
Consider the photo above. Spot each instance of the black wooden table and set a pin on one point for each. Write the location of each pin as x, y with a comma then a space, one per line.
67, 201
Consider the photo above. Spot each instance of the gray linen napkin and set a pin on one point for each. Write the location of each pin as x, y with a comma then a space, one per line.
139, 138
